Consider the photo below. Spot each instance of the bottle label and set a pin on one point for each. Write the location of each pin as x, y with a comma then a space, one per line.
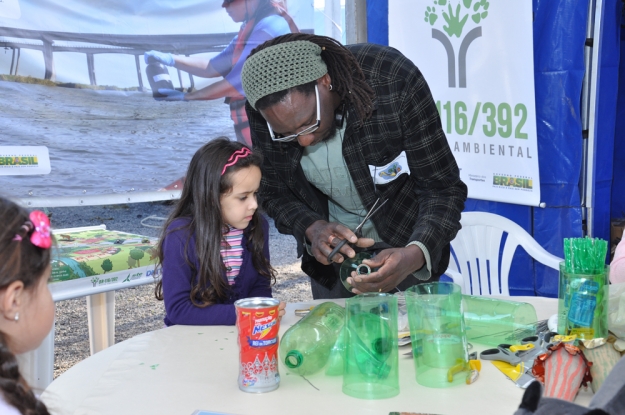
583, 304
261, 343
161, 77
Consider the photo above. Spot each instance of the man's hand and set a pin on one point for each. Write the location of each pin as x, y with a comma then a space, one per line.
170, 95
394, 265
281, 309
156, 56
324, 236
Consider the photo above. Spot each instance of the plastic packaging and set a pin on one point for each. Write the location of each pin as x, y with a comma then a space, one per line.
603, 359
565, 369
439, 343
371, 354
616, 310
306, 346
491, 321
583, 304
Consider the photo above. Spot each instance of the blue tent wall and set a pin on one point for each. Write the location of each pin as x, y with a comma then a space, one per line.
559, 38
377, 22
618, 181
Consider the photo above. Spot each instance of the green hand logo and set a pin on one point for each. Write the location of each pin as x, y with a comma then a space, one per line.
455, 22
455, 19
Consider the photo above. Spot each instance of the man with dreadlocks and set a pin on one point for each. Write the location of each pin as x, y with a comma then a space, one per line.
341, 127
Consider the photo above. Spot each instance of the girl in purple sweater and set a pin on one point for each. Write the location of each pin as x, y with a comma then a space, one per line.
214, 249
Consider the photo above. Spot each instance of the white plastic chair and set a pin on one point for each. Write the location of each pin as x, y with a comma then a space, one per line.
481, 270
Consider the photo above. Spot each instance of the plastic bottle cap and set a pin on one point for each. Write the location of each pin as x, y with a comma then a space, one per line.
293, 359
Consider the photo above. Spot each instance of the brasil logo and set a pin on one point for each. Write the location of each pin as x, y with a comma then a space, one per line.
509, 181
19, 161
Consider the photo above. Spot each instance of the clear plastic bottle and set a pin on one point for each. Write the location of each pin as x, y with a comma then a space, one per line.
306, 346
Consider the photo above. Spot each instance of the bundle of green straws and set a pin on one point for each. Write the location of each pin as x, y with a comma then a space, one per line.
585, 255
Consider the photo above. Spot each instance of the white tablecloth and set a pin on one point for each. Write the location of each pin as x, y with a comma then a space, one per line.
181, 369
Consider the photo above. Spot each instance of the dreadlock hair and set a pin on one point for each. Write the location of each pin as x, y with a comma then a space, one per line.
200, 202
348, 80
20, 260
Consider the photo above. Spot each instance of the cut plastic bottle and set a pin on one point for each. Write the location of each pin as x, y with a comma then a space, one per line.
305, 347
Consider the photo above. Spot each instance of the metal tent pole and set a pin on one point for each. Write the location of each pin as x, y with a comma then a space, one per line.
355, 21
595, 28
333, 25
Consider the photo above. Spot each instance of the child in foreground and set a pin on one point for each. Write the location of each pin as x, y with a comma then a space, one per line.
214, 249
26, 306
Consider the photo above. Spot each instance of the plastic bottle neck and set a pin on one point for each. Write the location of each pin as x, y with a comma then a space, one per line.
293, 359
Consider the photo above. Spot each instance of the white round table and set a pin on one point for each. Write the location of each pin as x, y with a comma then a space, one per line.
181, 369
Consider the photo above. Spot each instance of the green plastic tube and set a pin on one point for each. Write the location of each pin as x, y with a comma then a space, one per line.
371, 353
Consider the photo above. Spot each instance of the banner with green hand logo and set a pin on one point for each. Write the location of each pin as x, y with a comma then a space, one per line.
477, 57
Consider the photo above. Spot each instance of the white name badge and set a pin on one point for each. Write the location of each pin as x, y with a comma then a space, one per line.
391, 171
24, 160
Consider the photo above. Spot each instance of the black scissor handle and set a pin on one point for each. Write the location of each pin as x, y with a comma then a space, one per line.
488, 353
500, 353
336, 249
358, 230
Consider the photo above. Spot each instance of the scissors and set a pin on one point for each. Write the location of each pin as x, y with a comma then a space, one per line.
358, 230
526, 352
533, 346
502, 353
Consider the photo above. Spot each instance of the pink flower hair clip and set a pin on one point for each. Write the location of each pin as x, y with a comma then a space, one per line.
40, 223
41, 235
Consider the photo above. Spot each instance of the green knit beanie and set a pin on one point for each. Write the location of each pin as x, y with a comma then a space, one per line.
281, 67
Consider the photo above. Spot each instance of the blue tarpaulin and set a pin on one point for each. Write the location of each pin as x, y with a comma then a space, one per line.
559, 44
618, 175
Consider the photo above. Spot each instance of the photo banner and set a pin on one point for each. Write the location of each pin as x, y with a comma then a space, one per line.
477, 57
92, 260
84, 117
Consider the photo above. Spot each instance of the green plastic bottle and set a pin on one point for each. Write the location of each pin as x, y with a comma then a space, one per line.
337, 354
370, 344
306, 346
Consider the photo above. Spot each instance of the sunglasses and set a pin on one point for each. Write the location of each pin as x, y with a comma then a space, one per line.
305, 131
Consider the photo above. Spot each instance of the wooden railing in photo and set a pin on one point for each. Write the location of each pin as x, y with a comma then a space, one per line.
49, 42
91, 262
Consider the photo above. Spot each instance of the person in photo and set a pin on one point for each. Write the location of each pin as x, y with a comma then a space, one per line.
261, 20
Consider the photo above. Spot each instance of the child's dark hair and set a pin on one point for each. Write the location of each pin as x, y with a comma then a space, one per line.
20, 260
200, 202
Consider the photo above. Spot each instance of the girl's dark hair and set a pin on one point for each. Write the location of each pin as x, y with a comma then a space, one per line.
200, 202
348, 80
20, 260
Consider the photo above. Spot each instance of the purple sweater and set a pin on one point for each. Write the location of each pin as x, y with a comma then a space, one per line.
177, 281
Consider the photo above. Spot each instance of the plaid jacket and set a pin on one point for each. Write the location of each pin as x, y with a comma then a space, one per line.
424, 206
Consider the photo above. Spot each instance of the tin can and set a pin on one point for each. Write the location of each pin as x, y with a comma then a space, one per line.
258, 324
